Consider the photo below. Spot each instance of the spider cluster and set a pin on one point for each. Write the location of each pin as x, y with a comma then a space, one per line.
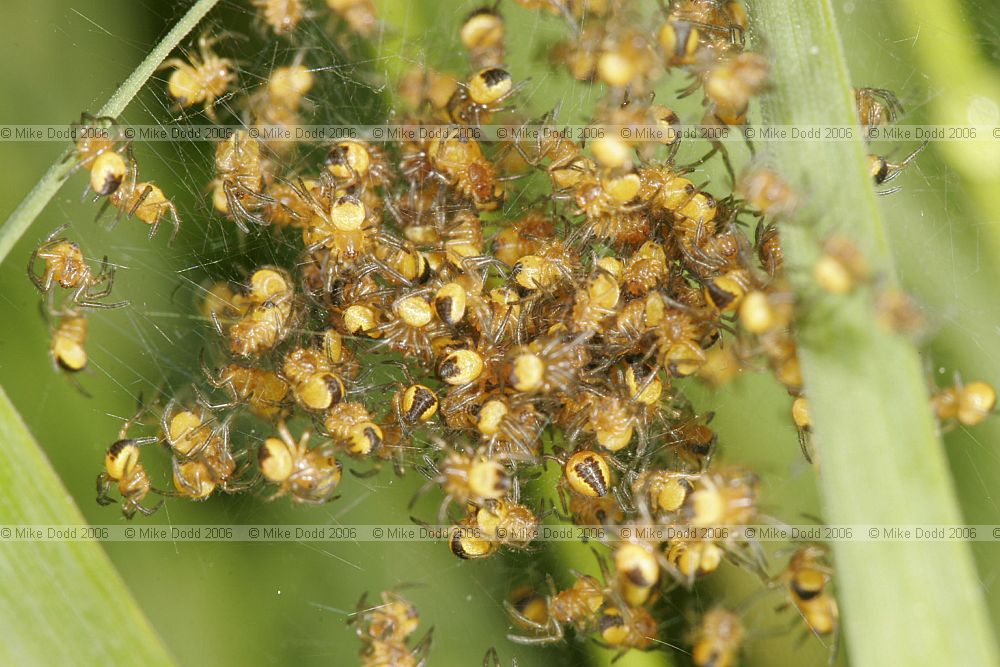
433, 323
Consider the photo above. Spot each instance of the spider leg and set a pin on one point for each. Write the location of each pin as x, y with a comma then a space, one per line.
104, 484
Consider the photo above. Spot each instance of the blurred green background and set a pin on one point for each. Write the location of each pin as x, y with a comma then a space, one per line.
232, 604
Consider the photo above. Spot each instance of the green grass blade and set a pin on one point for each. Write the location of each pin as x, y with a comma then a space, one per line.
904, 603
63, 602
33, 204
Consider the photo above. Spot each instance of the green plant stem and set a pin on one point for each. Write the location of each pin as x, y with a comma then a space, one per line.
64, 602
33, 204
905, 603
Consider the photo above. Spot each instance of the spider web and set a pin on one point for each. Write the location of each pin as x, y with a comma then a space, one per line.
203, 597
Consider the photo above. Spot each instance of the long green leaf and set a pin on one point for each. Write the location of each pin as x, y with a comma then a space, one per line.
63, 602
904, 603
33, 204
